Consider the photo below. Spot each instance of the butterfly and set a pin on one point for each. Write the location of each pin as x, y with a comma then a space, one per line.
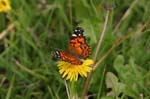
78, 49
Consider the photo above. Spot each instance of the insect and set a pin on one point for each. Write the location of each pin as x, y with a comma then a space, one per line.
78, 49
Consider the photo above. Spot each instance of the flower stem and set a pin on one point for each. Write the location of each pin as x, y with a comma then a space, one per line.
117, 42
86, 85
67, 89
72, 90
101, 36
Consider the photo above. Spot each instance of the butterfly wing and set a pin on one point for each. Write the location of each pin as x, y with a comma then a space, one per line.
77, 49
78, 45
64, 56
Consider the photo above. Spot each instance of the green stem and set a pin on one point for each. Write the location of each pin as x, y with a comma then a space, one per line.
72, 90
2, 21
87, 81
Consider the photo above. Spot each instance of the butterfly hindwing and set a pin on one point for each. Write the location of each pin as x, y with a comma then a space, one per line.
64, 56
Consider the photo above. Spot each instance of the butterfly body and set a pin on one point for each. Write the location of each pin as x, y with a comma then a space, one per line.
78, 49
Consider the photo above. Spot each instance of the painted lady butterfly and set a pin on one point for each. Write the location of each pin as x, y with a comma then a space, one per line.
78, 49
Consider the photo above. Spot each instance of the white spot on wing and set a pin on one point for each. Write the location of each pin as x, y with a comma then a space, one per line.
57, 52
74, 35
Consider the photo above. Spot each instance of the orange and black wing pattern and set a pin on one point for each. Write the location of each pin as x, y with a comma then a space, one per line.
78, 45
77, 49
67, 57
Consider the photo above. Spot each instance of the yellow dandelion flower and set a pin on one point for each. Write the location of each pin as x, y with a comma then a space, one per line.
71, 72
5, 5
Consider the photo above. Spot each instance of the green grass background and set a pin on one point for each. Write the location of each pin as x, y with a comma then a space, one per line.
27, 70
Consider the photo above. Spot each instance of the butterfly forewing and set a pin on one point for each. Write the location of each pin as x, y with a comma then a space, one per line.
78, 46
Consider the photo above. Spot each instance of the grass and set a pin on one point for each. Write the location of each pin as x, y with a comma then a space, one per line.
32, 30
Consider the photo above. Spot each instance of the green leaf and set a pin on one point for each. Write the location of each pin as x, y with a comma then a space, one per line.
113, 84
130, 75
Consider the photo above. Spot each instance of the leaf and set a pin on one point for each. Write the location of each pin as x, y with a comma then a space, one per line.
113, 84
130, 75
123, 71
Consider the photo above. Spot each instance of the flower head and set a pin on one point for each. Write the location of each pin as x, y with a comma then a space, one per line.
71, 72
5, 5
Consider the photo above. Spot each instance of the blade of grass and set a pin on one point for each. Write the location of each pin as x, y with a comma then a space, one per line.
2, 81
5, 32
50, 92
124, 16
101, 83
31, 72
10, 88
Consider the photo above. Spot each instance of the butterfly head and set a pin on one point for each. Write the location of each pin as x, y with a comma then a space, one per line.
78, 32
